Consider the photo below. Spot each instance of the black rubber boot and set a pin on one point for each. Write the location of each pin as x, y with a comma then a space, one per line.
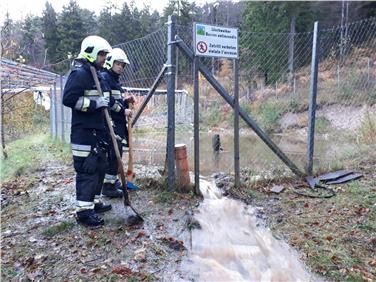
100, 207
111, 191
89, 218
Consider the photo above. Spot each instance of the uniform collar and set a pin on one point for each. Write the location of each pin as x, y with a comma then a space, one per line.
114, 75
85, 63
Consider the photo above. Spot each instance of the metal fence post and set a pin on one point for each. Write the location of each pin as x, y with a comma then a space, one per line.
171, 57
55, 111
51, 114
312, 98
196, 122
236, 124
62, 110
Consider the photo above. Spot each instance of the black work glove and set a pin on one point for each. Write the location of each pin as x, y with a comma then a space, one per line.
102, 162
91, 162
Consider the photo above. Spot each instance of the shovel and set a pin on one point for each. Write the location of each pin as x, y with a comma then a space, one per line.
136, 219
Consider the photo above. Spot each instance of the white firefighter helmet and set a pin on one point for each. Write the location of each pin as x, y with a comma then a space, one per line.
92, 45
116, 54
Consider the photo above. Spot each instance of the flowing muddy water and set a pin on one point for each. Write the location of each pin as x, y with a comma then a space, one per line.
232, 246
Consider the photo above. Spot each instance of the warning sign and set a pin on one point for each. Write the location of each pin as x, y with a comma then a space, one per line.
202, 47
215, 41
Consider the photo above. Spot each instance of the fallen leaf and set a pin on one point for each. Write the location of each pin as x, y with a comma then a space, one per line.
141, 250
122, 270
95, 270
29, 261
307, 235
362, 211
141, 257
335, 259
83, 270
67, 181
329, 238
174, 244
372, 263
140, 234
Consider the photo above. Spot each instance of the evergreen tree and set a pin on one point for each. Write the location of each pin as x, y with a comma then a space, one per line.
271, 52
185, 12
71, 30
32, 41
6, 37
121, 25
50, 32
89, 20
11, 37
106, 26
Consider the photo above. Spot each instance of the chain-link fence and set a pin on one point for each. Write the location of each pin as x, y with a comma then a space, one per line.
25, 100
275, 74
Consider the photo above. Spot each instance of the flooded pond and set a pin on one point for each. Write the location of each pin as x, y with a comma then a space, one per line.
150, 148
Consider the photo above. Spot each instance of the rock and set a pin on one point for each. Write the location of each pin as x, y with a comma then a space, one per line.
277, 189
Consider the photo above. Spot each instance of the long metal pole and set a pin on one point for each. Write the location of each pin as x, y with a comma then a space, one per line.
149, 95
312, 99
171, 57
196, 122
236, 124
219, 88
62, 110
55, 111
52, 123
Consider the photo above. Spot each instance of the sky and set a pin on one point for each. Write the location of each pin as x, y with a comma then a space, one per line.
19, 9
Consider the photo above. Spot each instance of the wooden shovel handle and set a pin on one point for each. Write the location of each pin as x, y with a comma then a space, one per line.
113, 138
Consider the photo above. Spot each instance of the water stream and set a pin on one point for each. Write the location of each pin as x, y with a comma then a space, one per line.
232, 246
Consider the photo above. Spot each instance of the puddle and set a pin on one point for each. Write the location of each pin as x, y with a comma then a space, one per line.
150, 149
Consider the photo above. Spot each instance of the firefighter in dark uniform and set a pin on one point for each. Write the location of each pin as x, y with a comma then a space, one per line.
115, 63
89, 137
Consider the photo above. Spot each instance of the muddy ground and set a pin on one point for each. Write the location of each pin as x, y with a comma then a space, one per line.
42, 241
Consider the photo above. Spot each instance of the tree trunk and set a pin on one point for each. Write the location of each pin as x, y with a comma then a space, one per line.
2, 127
342, 33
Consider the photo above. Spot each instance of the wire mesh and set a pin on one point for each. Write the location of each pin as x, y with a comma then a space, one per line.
274, 76
147, 56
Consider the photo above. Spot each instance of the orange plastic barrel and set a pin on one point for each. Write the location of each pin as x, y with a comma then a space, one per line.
182, 169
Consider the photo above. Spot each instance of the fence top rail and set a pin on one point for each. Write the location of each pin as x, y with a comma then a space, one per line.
185, 28
158, 91
15, 65
141, 38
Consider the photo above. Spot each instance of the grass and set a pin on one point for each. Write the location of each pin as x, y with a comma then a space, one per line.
213, 116
268, 114
367, 130
322, 125
58, 228
28, 154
